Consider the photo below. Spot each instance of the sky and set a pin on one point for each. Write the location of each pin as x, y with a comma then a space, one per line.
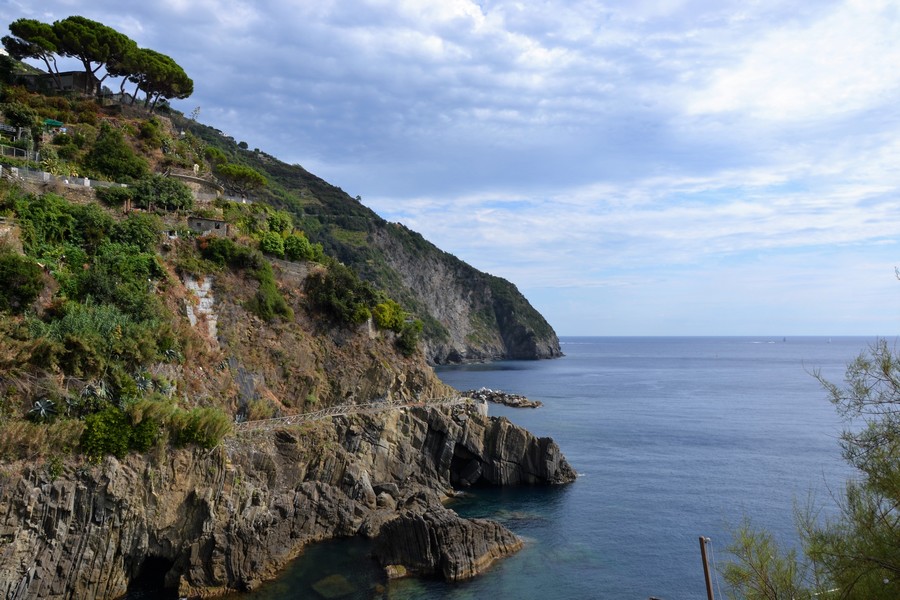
635, 167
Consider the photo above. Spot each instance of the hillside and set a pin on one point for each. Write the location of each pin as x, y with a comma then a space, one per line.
467, 314
211, 359
316, 300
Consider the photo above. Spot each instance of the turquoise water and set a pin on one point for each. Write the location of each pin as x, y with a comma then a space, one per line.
673, 438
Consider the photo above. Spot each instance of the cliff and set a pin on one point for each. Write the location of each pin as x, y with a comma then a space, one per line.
147, 370
469, 315
481, 317
208, 522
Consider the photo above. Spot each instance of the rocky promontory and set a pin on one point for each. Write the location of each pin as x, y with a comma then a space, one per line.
210, 522
504, 398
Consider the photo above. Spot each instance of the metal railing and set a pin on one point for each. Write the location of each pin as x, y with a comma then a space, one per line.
26, 174
19, 153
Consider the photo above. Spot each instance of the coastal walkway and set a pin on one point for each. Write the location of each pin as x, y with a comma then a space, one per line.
345, 409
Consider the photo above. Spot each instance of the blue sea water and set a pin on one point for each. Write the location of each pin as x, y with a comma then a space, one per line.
673, 439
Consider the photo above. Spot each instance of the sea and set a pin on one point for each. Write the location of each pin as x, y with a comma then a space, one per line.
673, 439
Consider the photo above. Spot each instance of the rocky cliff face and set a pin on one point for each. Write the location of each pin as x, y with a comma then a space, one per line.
478, 316
211, 522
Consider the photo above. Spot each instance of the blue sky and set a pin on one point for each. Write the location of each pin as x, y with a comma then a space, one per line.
644, 167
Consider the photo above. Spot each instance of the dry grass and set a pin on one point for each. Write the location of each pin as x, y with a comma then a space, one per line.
26, 440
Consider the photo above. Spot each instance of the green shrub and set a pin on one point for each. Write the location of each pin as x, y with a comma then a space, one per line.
19, 115
298, 247
67, 152
87, 338
280, 221
21, 281
408, 339
121, 275
389, 315
224, 252
112, 157
115, 196
92, 225
341, 294
141, 229
106, 432
268, 302
46, 220
272, 243
204, 427
151, 132
159, 191
215, 156
144, 435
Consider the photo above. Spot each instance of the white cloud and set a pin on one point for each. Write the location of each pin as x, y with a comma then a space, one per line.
843, 62
633, 155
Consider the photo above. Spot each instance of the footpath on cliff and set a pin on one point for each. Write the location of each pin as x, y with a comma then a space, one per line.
211, 522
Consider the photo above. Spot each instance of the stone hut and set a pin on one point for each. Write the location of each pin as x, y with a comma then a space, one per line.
203, 226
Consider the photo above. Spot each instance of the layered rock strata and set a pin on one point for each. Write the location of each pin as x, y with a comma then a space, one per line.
209, 522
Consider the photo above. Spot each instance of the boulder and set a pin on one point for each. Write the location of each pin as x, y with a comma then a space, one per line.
440, 543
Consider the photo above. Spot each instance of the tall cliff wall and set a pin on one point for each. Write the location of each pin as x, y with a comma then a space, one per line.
480, 317
210, 522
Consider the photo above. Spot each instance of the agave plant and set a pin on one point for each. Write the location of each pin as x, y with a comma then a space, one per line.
94, 396
73, 406
96, 390
165, 387
43, 409
143, 382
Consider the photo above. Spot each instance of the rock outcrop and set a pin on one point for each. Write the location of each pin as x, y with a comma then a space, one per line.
211, 522
439, 543
504, 398
470, 315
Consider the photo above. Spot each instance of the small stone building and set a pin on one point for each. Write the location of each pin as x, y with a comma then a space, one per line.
204, 226
69, 81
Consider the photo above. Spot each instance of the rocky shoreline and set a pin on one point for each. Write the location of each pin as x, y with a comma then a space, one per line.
212, 522
504, 398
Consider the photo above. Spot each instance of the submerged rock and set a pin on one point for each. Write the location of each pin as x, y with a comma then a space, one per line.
334, 586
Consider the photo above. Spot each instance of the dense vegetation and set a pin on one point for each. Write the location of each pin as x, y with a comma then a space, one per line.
89, 346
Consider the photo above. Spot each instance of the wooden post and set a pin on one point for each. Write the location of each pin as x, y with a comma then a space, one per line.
709, 590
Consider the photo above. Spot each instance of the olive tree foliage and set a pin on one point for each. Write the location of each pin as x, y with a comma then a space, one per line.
854, 555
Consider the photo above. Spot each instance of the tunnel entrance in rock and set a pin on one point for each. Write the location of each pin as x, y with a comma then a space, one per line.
150, 581
465, 467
